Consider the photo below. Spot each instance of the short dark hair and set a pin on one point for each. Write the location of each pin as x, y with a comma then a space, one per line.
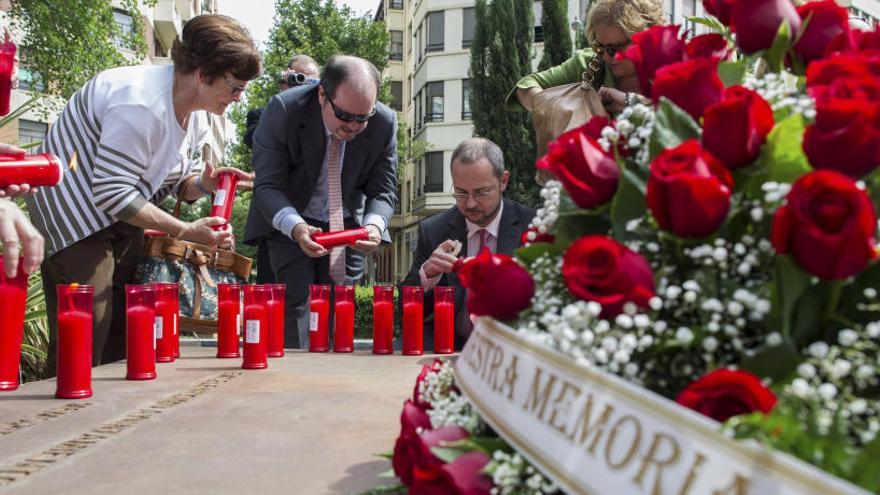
340, 69
302, 59
216, 44
473, 149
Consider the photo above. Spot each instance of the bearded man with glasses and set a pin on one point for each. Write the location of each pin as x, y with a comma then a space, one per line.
481, 218
325, 158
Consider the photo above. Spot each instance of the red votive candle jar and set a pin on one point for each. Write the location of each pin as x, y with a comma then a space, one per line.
228, 320
224, 197
13, 293
341, 237
44, 169
7, 62
74, 350
140, 327
413, 320
166, 322
444, 319
256, 327
383, 319
343, 319
319, 318
275, 307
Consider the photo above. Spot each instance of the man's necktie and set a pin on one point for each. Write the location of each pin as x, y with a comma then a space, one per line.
484, 239
334, 201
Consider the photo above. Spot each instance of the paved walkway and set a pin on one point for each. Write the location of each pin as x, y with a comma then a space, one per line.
307, 425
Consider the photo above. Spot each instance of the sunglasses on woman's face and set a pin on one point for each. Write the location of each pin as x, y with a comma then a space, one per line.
348, 117
611, 50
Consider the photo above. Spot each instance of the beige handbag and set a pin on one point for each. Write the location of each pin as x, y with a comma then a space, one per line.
563, 108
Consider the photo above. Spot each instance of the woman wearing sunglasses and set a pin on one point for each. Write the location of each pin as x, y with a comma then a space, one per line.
610, 26
137, 134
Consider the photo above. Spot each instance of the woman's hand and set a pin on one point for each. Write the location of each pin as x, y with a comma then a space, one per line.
200, 231
14, 190
17, 234
614, 100
209, 177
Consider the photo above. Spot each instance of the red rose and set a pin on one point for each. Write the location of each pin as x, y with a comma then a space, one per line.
846, 133
718, 8
826, 20
463, 476
827, 225
689, 190
497, 285
826, 71
693, 85
425, 465
735, 128
711, 45
426, 370
756, 22
412, 418
587, 172
855, 41
723, 394
598, 268
536, 237
651, 49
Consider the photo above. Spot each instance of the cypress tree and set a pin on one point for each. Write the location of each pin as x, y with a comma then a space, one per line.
557, 39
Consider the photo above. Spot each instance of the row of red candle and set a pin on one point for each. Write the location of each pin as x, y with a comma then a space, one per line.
383, 319
261, 307
152, 320
13, 294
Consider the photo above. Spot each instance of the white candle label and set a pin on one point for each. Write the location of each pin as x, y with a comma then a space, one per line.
157, 327
313, 322
220, 197
252, 335
238, 324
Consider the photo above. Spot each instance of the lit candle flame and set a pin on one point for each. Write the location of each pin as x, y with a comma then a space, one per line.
73, 162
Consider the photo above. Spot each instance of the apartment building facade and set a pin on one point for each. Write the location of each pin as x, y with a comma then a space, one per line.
162, 24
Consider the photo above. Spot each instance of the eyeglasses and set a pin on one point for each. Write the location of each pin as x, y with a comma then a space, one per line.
478, 195
611, 50
348, 117
235, 90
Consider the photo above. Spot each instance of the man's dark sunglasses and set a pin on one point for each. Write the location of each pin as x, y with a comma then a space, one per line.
611, 50
348, 117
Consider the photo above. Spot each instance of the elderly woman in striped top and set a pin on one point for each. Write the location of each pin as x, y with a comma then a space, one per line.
137, 133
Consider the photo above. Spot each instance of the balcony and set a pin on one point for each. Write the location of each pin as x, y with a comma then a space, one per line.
167, 21
431, 203
186, 8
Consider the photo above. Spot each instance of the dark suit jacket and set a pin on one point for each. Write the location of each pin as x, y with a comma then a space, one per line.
450, 224
253, 118
289, 146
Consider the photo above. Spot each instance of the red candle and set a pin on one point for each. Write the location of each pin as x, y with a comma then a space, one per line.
444, 319
256, 327
341, 237
319, 318
413, 320
13, 293
7, 61
74, 350
383, 319
343, 320
224, 197
228, 318
140, 340
275, 307
166, 323
36, 170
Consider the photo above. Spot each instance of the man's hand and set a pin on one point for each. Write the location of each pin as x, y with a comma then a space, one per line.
209, 177
16, 231
302, 234
372, 243
441, 259
200, 231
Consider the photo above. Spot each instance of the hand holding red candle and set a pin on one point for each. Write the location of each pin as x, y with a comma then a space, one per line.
348, 237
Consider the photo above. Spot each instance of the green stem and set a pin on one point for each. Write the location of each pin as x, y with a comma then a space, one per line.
833, 301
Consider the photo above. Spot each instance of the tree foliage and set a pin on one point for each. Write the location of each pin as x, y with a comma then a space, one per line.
67, 42
557, 39
501, 54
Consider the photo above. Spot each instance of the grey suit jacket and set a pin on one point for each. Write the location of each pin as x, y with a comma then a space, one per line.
289, 146
450, 224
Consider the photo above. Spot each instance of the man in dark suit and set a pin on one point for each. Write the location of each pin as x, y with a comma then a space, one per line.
302, 69
481, 217
325, 158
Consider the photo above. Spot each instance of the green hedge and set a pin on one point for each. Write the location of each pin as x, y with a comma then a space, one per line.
363, 317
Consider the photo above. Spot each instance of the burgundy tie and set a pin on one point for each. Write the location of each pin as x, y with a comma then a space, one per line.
334, 200
484, 239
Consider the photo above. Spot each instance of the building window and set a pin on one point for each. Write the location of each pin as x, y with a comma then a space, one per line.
125, 26
395, 4
435, 32
30, 131
434, 103
397, 95
396, 45
434, 172
28, 80
407, 197
410, 36
419, 120
537, 9
689, 9
465, 99
669, 9
467, 29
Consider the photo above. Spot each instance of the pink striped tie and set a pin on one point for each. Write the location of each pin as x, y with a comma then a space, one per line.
334, 190
484, 239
